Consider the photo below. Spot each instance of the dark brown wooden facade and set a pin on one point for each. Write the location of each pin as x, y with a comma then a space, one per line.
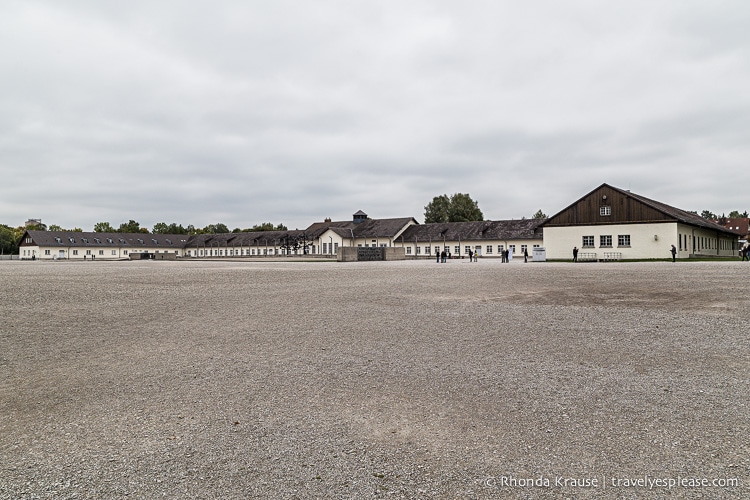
619, 206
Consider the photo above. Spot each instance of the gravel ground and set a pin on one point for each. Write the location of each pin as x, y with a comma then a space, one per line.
402, 379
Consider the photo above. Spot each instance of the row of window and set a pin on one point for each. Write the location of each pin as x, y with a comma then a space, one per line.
467, 248
109, 240
605, 241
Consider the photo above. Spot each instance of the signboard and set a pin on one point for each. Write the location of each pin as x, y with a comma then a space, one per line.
370, 253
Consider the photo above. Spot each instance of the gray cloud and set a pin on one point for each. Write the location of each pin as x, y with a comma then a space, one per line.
244, 112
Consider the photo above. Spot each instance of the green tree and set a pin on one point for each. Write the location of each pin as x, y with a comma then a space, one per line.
104, 227
539, 215
131, 227
265, 226
8, 240
437, 209
55, 227
707, 214
458, 208
464, 209
217, 228
735, 214
164, 228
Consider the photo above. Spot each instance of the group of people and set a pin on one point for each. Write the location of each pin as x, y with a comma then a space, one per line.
443, 256
505, 255
673, 251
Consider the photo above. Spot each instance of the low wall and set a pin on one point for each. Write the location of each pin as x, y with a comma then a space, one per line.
361, 254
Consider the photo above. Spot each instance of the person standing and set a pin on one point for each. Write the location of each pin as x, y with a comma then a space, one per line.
674, 252
575, 254
525, 255
471, 255
437, 255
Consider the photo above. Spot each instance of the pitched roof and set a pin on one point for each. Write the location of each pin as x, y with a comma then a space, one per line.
91, 239
670, 212
370, 228
521, 229
251, 238
680, 215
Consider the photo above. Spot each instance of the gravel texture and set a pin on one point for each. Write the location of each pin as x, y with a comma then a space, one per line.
248, 379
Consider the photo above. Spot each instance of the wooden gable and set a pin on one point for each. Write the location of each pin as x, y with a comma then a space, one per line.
607, 205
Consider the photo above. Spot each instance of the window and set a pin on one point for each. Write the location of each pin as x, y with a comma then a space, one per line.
325, 247
524, 248
605, 240
75, 252
408, 250
512, 248
457, 249
588, 241
88, 252
419, 250
427, 250
114, 252
46, 252
605, 210
623, 240
101, 252
466, 249
489, 249
500, 248
335, 247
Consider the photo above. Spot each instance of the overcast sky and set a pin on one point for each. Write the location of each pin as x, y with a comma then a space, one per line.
242, 112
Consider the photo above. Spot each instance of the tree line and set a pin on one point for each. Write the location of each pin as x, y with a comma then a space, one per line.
10, 236
459, 207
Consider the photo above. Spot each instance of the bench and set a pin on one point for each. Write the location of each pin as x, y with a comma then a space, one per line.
586, 256
610, 256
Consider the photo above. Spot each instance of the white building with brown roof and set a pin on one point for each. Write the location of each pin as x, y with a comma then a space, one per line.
612, 224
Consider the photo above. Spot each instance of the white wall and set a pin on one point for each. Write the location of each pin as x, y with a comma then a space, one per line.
647, 241
411, 250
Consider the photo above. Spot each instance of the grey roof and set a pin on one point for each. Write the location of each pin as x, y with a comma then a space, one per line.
370, 228
112, 240
522, 229
252, 238
678, 214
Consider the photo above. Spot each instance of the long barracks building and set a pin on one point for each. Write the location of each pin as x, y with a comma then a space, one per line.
606, 224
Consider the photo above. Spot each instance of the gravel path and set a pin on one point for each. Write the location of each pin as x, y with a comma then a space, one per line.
403, 379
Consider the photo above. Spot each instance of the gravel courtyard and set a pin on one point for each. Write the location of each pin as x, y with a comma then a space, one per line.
251, 379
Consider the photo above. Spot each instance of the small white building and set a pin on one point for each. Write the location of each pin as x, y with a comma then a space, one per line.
71, 245
612, 224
